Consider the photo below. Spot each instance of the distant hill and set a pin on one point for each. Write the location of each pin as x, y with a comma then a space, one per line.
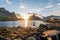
53, 16
6, 15
56, 18
33, 17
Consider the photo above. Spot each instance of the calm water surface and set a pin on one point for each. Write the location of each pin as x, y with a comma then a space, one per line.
21, 23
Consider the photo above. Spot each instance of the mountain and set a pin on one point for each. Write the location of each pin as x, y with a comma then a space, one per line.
56, 18
4, 12
6, 15
33, 17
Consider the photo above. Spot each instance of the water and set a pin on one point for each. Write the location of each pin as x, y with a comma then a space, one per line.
22, 23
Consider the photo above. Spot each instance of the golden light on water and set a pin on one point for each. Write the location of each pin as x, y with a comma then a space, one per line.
26, 20
25, 17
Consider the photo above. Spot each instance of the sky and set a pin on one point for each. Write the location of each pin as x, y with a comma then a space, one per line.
43, 7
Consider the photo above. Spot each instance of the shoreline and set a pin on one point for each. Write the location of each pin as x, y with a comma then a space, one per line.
21, 32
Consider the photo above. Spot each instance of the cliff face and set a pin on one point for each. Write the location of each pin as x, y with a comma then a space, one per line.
5, 13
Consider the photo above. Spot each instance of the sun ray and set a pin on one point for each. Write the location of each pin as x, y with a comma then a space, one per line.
26, 19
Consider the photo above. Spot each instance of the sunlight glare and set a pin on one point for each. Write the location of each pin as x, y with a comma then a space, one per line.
18, 17
26, 19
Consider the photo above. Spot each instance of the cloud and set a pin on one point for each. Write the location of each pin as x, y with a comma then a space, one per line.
49, 6
8, 2
58, 4
2, 5
36, 10
22, 7
55, 12
41, 9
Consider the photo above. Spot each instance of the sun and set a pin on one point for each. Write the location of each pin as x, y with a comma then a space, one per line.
26, 16
18, 17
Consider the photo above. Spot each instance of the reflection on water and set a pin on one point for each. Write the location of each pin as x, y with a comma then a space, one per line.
21, 23
26, 23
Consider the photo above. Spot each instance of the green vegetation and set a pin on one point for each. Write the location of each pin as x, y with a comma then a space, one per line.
6, 18
5, 15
